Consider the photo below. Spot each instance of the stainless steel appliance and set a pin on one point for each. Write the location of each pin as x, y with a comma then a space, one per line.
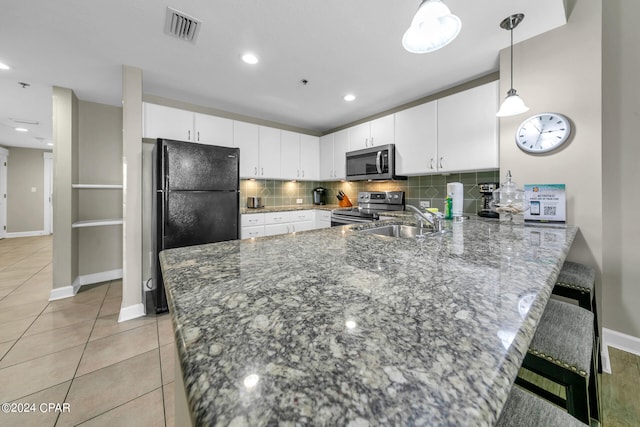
375, 163
371, 205
486, 190
319, 196
254, 202
197, 200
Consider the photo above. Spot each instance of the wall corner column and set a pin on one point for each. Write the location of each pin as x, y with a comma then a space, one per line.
132, 292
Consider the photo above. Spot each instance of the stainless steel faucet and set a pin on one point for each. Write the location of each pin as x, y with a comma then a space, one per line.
436, 220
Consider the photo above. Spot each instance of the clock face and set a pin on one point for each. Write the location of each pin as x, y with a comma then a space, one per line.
543, 132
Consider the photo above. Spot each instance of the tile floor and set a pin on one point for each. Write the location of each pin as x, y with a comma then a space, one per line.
121, 374
75, 351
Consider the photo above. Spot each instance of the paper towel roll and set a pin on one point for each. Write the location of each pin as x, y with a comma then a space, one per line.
456, 190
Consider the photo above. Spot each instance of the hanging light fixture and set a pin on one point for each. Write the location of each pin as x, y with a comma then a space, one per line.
512, 104
432, 27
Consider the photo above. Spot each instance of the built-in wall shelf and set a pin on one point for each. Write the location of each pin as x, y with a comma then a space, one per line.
97, 223
98, 186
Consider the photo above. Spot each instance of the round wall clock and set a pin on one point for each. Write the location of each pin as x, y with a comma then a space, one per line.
543, 132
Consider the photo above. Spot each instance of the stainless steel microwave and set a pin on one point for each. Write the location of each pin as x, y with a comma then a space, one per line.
375, 164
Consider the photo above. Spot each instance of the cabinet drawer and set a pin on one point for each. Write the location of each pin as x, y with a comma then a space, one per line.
277, 217
274, 229
248, 220
323, 216
297, 216
249, 232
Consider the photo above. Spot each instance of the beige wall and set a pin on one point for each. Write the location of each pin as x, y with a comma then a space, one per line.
25, 208
621, 166
560, 71
99, 162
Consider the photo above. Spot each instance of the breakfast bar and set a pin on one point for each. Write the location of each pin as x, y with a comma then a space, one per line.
343, 327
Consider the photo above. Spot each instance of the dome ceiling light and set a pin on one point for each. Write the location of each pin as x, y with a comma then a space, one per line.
432, 28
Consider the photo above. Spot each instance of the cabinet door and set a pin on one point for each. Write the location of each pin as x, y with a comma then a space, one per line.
340, 146
416, 139
301, 226
359, 137
245, 137
326, 158
274, 229
290, 155
269, 152
468, 130
167, 122
249, 232
309, 157
213, 130
382, 131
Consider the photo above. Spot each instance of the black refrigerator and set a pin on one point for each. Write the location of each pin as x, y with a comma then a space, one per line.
196, 200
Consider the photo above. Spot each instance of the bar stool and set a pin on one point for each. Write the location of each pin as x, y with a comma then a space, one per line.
562, 351
523, 409
577, 281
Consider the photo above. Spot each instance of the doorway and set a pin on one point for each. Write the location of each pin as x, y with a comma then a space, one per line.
48, 193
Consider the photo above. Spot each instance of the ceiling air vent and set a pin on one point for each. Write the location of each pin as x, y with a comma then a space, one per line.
181, 25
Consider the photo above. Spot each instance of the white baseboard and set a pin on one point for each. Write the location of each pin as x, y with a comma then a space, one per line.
87, 279
131, 312
621, 341
24, 234
103, 276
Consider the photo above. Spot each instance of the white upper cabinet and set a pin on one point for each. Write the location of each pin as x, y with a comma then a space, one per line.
376, 132
340, 148
166, 122
246, 138
468, 130
309, 157
417, 140
269, 152
213, 130
326, 158
290, 155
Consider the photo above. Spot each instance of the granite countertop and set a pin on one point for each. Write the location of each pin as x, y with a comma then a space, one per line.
246, 210
337, 327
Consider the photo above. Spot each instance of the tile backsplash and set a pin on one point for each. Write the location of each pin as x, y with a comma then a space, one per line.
427, 187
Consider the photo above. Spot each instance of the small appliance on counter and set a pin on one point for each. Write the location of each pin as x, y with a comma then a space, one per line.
254, 202
319, 196
487, 189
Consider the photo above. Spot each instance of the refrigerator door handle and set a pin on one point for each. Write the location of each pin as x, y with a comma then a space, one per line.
165, 192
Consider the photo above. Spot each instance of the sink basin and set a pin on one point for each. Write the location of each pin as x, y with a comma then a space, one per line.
402, 231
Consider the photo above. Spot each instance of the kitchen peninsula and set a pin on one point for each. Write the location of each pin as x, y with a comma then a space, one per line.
339, 327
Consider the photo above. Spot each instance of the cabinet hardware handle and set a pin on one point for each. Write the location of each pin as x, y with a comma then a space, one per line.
431, 163
255, 170
441, 163
198, 135
188, 135
372, 141
262, 169
298, 175
303, 173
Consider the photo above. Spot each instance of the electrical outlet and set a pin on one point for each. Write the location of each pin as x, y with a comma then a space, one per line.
299, 201
424, 204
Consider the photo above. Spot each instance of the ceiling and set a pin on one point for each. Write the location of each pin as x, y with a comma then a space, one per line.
339, 46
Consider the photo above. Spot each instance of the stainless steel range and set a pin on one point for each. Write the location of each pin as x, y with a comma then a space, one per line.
371, 205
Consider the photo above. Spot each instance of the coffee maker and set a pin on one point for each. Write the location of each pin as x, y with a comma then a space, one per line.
319, 196
487, 189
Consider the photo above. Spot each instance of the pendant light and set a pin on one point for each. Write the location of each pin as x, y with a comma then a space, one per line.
512, 104
432, 27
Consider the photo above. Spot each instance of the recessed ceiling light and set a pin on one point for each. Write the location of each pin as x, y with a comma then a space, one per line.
4, 66
250, 58
349, 97
22, 130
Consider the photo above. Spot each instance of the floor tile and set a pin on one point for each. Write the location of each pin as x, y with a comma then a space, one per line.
13, 330
105, 389
55, 394
165, 330
110, 306
12, 312
20, 296
620, 391
146, 410
63, 318
38, 374
167, 363
33, 346
4, 347
109, 325
115, 289
115, 348
169, 404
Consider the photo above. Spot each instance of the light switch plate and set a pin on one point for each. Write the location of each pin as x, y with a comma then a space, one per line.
299, 201
424, 204
33, 189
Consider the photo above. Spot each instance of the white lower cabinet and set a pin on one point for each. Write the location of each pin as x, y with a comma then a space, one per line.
322, 219
273, 223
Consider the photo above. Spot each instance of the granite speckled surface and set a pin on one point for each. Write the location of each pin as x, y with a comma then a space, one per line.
336, 327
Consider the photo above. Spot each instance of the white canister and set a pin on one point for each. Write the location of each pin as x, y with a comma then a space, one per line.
456, 191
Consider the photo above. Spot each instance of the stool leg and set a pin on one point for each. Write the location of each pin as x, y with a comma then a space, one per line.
594, 389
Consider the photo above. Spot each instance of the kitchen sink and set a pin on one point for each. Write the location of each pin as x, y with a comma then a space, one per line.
402, 231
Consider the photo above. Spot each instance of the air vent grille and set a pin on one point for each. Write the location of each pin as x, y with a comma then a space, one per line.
181, 25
